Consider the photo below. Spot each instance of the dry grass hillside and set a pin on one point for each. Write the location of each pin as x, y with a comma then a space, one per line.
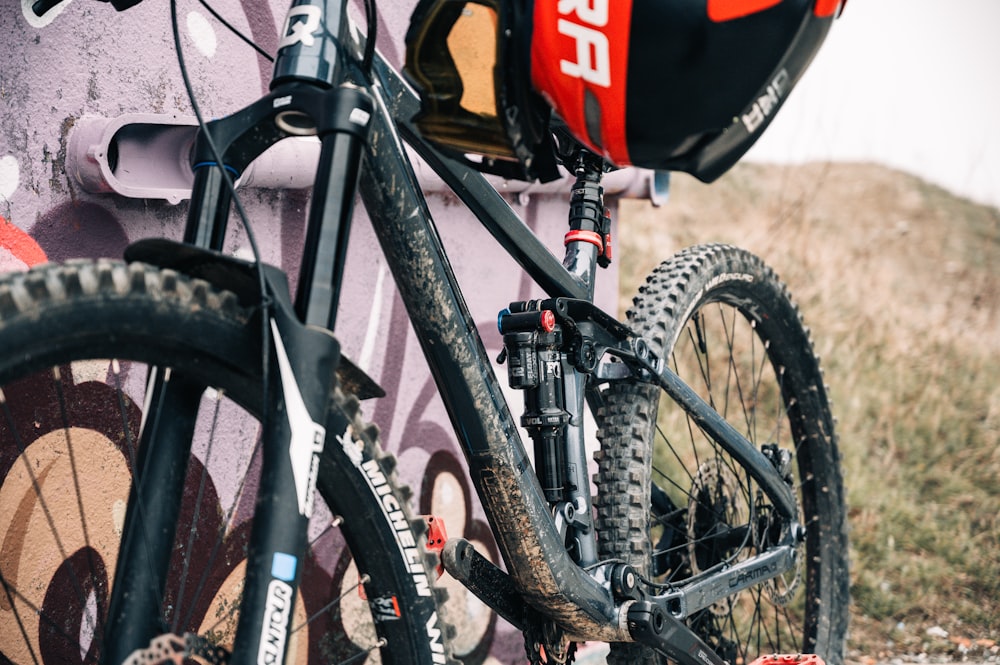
900, 283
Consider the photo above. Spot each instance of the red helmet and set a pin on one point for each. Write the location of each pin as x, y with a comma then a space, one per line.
686, 85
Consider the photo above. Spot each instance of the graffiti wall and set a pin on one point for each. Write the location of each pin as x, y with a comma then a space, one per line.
84, 67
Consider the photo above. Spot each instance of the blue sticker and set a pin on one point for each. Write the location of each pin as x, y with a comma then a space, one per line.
283, 566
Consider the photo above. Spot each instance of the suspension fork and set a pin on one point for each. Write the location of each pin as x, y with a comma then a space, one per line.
304, 355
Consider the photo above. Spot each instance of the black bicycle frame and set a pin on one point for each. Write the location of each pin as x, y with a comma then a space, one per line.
521, 519
318, 89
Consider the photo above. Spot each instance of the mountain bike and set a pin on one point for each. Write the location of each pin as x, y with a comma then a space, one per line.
717, 532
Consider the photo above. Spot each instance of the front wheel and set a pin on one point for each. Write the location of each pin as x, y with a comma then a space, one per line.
675, 505
77, 346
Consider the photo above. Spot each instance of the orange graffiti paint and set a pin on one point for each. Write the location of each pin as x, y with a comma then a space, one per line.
20, 244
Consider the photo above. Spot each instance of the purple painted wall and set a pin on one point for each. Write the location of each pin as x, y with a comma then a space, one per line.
84, 62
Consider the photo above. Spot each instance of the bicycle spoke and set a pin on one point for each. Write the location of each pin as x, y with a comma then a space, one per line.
696, 337
73, 467
364, 654
9, 593
39, 493
734, 378
225, 527
364, 579
195, 521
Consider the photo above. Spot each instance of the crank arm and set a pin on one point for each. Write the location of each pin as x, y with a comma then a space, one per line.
698, 595
487, 582
650, 625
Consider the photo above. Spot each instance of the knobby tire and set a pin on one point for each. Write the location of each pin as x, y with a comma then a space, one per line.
673, 504
76, 342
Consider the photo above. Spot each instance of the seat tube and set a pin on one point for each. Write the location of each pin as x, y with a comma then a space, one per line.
585, 244
586, 240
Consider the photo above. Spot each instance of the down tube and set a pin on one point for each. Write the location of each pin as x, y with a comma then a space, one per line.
498, 463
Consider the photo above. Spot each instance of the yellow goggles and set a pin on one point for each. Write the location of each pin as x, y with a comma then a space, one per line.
452, 56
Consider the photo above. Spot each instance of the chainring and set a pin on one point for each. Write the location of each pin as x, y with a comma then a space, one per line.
546, 644
172, 648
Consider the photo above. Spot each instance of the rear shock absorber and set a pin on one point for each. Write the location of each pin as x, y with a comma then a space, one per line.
532, 342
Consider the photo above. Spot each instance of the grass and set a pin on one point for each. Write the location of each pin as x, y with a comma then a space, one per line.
900, 284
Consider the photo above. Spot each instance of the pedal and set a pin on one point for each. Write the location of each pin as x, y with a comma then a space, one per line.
437, 536
789, 659
487, 582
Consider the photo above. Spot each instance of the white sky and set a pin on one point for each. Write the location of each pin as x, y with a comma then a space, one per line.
914, 84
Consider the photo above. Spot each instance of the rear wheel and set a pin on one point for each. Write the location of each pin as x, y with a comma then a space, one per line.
675, 505
78, 345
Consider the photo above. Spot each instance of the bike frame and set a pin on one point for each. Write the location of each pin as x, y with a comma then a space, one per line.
362, 124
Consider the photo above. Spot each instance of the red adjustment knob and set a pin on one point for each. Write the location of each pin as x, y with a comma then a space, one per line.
548, 320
